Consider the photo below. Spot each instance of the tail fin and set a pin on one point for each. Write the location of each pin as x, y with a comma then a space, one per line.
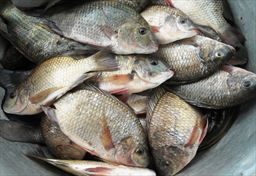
10, 79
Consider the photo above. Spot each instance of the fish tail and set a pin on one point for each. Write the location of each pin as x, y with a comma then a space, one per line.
105, 61
10, 79
233, 37
18, 132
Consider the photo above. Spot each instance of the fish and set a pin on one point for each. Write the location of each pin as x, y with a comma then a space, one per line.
33, 38
138, 103
175, 130
58, 143
228, 87
136, 73
105, 24
169, 24
14, 60
138, 5
52, 79
195, 58
20, 132
220, 121
210, 13
101, 125
93, 168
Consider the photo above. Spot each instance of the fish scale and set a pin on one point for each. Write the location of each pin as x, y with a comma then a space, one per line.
93, 117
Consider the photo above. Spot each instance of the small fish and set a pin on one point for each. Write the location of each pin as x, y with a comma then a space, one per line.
108, 24
195, 58
58, 143
102, 125
175, 130
220, 121
33, 38
138, 103
228, 87
136, 73
210, 13
52, 79
92, 168
169, 24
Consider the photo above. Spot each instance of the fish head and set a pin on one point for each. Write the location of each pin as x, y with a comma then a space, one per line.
132, 153
241, 82
15, 102
213, 51
152, 70
136, 37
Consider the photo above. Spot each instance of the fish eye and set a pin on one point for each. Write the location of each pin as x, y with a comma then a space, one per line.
183, 20
139, 151
154, 62
142, 31
12, 95
218, 54
166, 163
247, 84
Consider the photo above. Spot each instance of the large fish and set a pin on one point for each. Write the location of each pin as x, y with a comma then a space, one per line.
209, 13
92, 168
175, 130
169, 24
106, 24
52, 79
228, 87
102, 125
136, 73
33, 38
195, 58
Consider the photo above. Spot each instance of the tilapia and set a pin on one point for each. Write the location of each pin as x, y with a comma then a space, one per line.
92, 168
138, 103
136, 73
108, 24
175, 130
33, 38
210, 13
52, 79
195, 58
58, 143
102, 125
228, 87
169, 24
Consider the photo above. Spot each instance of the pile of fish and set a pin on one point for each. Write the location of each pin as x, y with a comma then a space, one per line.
138, 84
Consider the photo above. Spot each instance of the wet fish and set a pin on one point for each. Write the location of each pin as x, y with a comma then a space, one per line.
136, 73
92, 168
52, 79
58, 143
169, 24
35, 40
106, 24
220, 121
210, 13
138, 5
138, 103
103, 126
228, 87
175, 130
195, 58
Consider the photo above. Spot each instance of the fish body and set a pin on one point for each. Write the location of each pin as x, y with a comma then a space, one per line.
52, 79
228, 87
108, 24
136, 73
195, 58
209, 13
175, 130
102, 125
169, 24
91, 168
58, 143
35, 40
